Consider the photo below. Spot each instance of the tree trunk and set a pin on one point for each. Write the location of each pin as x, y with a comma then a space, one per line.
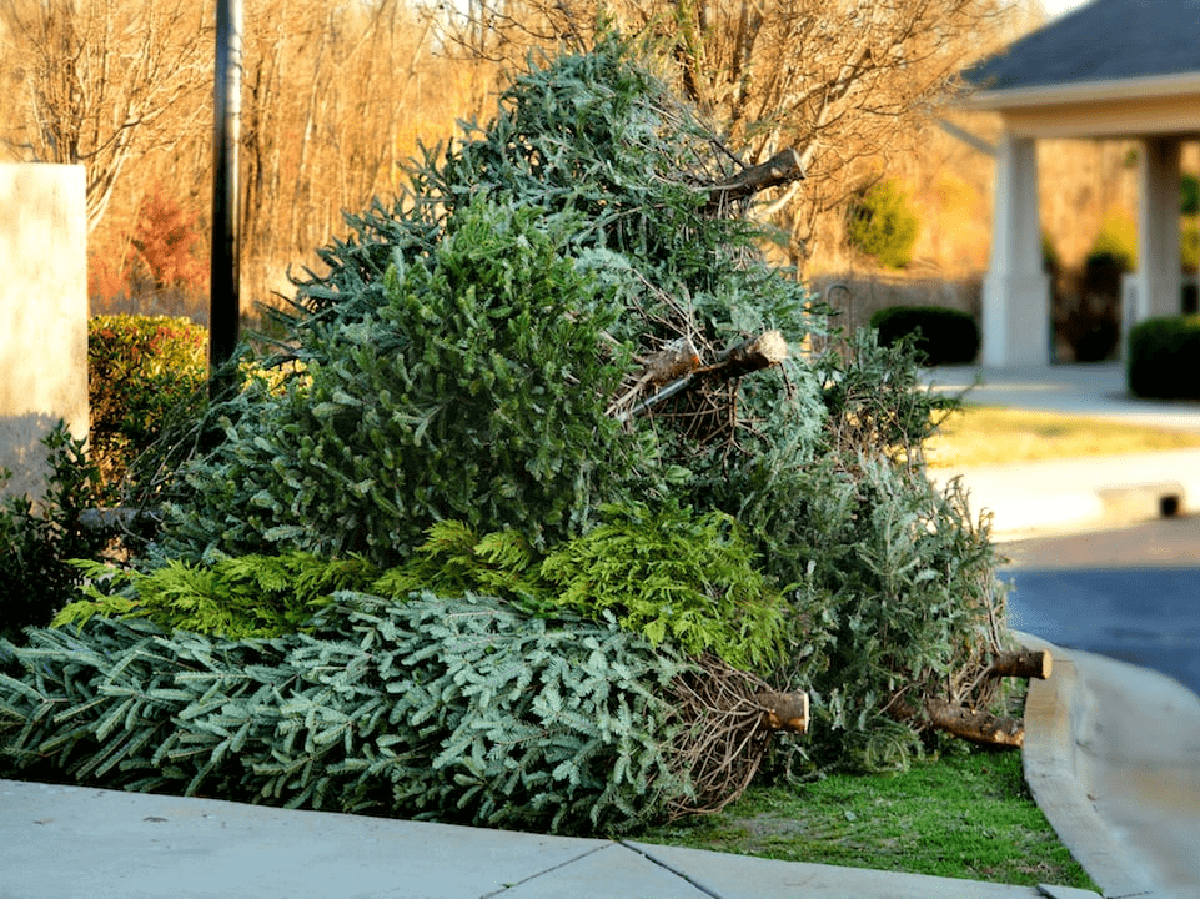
978, 727
785, 711
1036, 663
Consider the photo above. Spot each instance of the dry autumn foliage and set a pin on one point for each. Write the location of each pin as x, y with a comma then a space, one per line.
336, 97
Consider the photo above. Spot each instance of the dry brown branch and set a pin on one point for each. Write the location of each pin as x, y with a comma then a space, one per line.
727, 729
782, 168
676, 370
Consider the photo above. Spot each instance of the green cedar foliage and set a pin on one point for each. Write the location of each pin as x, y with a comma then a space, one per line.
672, 574
247, 596
454, 710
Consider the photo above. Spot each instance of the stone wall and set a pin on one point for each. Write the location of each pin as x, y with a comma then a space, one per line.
43, 315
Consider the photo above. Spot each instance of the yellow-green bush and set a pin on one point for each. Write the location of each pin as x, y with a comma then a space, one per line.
883, 225
141, 369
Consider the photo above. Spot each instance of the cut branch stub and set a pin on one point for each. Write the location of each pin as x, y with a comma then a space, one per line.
978, 727
675, 360
1035, 663
782, 168
767, 349
785, 711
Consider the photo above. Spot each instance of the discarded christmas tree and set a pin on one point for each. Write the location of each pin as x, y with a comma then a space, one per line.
674, 526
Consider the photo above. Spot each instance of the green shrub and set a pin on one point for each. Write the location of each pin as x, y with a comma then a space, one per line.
1189, 249
455, 710
38, 538
1116, 241
1162, 358
141, 371
1051, 258
941, 336
1189, 195
883, 224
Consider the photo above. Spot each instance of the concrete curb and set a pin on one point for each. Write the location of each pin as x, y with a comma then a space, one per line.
1057, 716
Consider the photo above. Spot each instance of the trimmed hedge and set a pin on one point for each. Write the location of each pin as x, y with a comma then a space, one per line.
1162, 358
141, 371
941, 336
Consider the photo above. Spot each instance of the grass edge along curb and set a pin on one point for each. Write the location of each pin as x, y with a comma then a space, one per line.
860, 821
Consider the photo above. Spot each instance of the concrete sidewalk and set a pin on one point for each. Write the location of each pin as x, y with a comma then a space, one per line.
75, 843
1112, 756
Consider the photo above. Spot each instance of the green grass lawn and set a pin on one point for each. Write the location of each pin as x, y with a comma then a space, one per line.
984, 435
963, 815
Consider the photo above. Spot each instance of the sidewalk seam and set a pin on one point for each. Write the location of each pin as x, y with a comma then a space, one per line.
516, 883
691, 880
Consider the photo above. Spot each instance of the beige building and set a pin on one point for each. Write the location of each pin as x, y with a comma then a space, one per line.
1117, 69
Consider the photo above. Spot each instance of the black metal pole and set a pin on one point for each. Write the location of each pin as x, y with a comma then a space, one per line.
224, 303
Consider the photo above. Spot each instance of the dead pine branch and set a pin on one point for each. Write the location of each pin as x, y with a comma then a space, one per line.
730, 718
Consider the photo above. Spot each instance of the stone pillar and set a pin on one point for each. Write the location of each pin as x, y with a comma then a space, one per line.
1016, 291
1157, 285
43, 315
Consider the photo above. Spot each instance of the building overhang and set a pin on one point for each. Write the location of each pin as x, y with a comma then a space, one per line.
1121, 108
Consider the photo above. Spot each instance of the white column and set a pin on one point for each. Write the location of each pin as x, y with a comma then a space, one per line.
1016, 291
43, 315
1157, 284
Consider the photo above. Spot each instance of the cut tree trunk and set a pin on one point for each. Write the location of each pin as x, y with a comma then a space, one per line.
785, 711
677, 359
767, 349
1035, 663
978, 727
782, 168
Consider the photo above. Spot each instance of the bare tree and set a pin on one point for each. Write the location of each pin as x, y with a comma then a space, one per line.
102, 80
842, 82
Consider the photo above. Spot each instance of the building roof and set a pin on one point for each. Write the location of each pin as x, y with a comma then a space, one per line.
1104, 41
